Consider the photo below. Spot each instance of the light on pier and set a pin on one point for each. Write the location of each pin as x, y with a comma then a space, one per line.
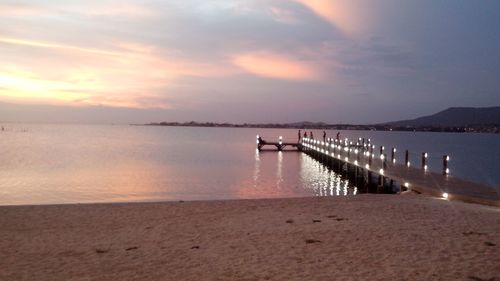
446, 170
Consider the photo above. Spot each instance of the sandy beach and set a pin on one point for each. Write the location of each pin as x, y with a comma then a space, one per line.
365, 237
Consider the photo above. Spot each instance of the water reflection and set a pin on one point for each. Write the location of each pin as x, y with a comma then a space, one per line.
256, 169
323, 181
279, 171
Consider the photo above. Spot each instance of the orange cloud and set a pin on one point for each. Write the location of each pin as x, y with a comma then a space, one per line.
129, 75
351, 17
275, 66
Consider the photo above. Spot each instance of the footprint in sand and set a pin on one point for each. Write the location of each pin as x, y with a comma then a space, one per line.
311, 241
473, 233
101, 251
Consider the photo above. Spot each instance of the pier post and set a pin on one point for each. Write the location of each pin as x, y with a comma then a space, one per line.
393, 155
424, 160
324, 156
369, 181
327, 151
407, 159
381, 149
446, 170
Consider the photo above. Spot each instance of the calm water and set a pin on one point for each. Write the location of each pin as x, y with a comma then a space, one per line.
45, 164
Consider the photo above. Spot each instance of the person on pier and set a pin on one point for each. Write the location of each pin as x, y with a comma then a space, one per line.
324, 136
311, 134
299, 135
305, 134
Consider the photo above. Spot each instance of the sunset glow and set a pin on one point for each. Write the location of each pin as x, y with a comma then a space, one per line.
181, 60
83, 76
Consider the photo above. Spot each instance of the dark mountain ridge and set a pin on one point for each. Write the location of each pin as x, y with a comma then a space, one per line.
455, 117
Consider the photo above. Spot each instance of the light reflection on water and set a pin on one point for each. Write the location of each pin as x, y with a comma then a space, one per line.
44, 164
279, 174
323, 181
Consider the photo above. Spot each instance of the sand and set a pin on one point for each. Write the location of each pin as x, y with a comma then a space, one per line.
366, 237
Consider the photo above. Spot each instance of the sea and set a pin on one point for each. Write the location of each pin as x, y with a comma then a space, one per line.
67, 163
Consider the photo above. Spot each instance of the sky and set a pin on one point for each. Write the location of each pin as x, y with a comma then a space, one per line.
356, 61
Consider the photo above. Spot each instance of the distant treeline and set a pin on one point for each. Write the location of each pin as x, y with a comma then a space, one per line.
323, 126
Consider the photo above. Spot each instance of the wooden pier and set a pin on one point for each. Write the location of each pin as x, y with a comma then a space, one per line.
363, 167
280, 144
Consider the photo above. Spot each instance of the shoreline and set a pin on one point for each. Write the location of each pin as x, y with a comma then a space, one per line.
364, 237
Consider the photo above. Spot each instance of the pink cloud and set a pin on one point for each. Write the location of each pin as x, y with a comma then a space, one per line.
272, 65
352, 17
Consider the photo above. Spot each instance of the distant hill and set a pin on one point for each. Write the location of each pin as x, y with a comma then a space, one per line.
455, 117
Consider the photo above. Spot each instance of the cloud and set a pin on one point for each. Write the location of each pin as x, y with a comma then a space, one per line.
284, 15
272, 65
130, 74
117, 8
39, 44
19, 9
374, 57
352, 17
89, 8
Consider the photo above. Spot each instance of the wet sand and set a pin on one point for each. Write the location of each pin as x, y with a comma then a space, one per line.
366, 237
